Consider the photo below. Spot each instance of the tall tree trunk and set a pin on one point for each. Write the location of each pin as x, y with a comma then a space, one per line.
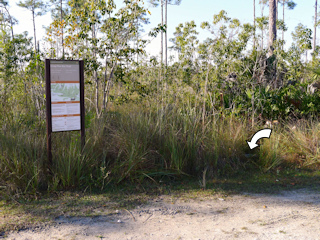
61, 19
166, 46
315, 26
137, 42
277, 2
205, 96
262, 29
165, 34
283, 3
137, 35
262, 38
161, 32
95, 76
34, 31
104, 104
272, 25
272, 38
107, 86
95, 72
252, 113
161, 62
254, 24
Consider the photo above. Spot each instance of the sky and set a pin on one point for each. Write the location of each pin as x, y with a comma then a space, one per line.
197, 10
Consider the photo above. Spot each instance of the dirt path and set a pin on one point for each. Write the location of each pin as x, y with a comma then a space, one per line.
289, 215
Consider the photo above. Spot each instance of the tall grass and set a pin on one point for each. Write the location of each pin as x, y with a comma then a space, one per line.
134, 142
73, 166
21, 160
272, 152
175, 140
303, 142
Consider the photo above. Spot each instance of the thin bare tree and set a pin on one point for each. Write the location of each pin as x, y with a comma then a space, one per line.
254, 24
263, 3
315, 26
166, 33
62, 24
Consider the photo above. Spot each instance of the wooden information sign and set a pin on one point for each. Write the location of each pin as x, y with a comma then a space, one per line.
64, 98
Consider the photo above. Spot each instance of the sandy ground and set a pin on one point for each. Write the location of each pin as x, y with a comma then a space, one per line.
288, 215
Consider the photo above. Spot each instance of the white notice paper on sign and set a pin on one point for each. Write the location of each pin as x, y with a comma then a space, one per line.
65, 95
65, 123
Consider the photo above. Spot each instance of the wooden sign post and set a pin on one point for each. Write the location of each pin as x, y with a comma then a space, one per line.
64, 98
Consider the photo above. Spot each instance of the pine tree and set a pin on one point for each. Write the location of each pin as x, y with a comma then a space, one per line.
37, 8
